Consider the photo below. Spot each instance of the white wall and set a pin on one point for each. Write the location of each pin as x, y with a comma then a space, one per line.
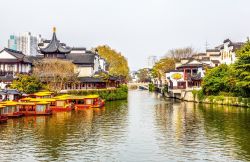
85, 71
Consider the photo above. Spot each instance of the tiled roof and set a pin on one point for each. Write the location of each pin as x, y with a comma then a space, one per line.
90, 80
55, 47
80, 58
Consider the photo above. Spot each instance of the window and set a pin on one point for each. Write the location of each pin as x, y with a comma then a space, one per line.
60, 103
40, 108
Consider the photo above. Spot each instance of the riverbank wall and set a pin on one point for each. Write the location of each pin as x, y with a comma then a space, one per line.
190, 96
120, 93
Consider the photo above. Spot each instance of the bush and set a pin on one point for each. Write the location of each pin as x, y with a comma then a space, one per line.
211, 99
151, 87
120, 93
201, 96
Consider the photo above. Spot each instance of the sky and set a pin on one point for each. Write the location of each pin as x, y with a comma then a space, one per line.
136, 28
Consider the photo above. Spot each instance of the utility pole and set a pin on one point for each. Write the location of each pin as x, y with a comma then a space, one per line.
206, 45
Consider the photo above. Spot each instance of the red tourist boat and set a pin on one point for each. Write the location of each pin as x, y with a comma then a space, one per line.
61, 103
90, 101
34, 108
11, 110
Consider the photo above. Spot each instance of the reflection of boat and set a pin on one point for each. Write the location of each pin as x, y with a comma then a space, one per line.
10, 109
34, 108
3, 118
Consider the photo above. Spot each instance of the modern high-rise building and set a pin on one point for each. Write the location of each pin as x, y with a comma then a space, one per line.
25, 42
12, 42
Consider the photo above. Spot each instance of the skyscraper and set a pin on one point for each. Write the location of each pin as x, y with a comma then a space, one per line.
25, 42
12, 42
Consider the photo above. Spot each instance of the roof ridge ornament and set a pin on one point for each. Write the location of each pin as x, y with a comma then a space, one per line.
54, 29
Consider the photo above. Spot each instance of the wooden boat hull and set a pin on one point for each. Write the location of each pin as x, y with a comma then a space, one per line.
34, 113
60, 109
15, 115
82, 107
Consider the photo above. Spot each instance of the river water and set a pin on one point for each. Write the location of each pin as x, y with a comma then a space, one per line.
147, 127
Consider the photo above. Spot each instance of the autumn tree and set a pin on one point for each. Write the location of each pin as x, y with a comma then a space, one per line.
118, 64
162, 66
55, 73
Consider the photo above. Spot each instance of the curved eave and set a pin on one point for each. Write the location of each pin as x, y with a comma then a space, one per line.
54, 47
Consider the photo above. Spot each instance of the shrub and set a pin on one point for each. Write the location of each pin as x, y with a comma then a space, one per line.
151, 87
201, 95
120, 93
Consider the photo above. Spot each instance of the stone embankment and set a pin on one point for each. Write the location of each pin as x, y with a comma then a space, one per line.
189, 96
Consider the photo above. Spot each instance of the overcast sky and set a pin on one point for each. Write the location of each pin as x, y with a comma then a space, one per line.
137, 28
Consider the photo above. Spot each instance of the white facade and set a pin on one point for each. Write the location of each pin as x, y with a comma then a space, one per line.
84, 71
13, 64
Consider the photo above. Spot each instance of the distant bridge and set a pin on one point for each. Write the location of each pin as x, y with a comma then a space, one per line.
139, 85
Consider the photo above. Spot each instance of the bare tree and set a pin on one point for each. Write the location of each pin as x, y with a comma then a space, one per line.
180, 53
55, 73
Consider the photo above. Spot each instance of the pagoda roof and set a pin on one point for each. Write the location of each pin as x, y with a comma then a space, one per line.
55, 46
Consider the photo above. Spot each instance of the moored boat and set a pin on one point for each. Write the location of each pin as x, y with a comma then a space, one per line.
61, 103
11, 110
42, 94
90, 101
35, 108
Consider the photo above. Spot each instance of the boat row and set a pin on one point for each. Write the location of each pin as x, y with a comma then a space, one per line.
45, 103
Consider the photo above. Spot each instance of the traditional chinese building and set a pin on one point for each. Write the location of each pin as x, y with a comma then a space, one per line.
88, 64
12, 63
187, 76
228, 49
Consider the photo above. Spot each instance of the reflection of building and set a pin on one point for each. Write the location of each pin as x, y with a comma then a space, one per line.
25, 43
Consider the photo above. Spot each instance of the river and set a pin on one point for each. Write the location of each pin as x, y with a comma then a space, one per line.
147, 127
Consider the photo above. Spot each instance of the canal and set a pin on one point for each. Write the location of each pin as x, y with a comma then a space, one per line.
147, 127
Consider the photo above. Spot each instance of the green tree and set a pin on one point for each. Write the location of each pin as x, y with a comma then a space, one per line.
242, 69
27, 83
118, 64
219, 79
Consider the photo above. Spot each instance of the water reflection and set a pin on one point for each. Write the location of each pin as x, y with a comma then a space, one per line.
147, 127
64, 136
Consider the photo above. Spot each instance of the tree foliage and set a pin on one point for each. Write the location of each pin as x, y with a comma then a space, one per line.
219, 79
118, 64
242, 69
55, 73
144, 75
27, 83
162, 66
